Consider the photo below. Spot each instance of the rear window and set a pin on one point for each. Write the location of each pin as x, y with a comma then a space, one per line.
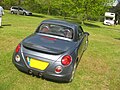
56, 30
14, 7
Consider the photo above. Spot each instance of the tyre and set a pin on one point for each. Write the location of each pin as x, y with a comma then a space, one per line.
24, 14
72, 73
12, 12
86, 45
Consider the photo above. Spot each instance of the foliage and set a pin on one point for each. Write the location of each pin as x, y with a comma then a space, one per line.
81, 9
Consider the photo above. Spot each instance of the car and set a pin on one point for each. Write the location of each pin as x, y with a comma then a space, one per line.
53, 51
19, 10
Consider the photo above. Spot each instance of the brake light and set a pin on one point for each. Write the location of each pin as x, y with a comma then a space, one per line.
49, 38
66, 60
17, 48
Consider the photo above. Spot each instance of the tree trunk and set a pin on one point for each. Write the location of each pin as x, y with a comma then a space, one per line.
19, 2
48, 11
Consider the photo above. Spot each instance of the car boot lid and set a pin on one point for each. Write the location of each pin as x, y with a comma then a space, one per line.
47, 44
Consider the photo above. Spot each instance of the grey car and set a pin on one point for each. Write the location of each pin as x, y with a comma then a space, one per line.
19, 10
53, 51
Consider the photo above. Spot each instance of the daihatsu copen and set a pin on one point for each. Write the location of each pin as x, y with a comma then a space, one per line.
53, 51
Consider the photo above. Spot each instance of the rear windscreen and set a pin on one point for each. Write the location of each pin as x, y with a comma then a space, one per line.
57, 30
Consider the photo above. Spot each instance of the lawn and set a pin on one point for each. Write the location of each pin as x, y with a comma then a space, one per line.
99, 68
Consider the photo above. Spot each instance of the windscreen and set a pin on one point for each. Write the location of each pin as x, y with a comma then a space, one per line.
109, 18
56, 30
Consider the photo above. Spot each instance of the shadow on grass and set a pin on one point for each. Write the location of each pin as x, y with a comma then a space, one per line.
6, 25
55, 81
89, 24
40, 16
117, 38
72, 20
92, 25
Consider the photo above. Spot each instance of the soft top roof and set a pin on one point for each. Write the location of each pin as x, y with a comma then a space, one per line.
60, 22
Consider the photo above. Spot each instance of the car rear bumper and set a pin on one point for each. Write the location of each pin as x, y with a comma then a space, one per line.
22, 66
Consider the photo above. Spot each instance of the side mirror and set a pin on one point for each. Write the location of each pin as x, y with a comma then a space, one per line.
86, 33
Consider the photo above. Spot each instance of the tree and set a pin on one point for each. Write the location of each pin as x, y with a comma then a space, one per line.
46, 4
88, 9
81, 9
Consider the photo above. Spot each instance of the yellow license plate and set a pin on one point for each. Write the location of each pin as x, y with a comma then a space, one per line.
38, 64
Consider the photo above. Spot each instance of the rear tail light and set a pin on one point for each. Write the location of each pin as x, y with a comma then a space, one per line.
58, 69
66, 60
17, 48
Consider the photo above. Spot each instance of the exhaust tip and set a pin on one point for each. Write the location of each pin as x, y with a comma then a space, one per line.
40, 74
30, 72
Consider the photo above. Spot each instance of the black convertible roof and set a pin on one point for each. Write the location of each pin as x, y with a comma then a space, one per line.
60, 22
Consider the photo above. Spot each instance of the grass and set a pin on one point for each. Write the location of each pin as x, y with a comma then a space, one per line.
99, 68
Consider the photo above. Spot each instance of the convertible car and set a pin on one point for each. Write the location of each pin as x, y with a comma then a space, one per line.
53, 51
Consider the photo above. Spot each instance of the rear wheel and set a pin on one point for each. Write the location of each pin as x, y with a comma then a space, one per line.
12, 12
24, 14
72, 73
86, 45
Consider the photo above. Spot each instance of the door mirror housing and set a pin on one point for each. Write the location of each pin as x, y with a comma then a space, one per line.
86, 33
